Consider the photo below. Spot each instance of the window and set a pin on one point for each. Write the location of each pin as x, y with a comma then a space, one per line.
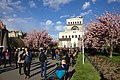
77, 22
74, 31
79, 36
62, 36
69, 36
75, 36
68, 22
72, 36
71, 22
80, 22
66, 36
74, 28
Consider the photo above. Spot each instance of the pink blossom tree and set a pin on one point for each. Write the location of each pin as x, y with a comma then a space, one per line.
104, 32
55, 42
37, 39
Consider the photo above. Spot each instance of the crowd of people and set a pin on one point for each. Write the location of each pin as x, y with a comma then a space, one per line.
22, 57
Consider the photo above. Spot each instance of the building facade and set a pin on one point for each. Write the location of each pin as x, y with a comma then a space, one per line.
72, 36
15, 34
3, 36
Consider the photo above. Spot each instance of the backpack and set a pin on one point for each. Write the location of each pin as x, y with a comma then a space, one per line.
60, 73
42, 57
28, 58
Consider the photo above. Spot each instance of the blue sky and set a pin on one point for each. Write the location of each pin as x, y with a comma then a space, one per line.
51, 15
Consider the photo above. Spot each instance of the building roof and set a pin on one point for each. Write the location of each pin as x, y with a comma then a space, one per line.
2, 25
13, 31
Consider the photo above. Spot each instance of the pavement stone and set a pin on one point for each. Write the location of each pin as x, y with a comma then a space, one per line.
10, 73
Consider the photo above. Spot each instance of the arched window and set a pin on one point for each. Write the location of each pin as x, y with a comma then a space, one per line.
80, 22
75, 36
66, 36
69, 36
74, 28
75, 22
68, 22
72, 36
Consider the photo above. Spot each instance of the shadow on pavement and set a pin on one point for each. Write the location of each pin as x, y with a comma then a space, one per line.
7, 68
39, 67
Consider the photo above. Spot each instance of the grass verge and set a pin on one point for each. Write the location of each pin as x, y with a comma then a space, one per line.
84, 71
115, 58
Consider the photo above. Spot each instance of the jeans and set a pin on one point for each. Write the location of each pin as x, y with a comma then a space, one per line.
43, 66
20, 66
6, 61
57, 56
27, 68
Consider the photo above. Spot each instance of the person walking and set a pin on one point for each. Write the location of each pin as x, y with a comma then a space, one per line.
1, 55
53, 53
27, 56
16, 57
42, 59
20, 60
7, 58
57, 54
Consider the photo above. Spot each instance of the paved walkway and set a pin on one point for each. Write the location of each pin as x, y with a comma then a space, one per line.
10, 73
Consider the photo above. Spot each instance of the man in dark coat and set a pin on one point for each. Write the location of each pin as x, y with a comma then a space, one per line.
42, 59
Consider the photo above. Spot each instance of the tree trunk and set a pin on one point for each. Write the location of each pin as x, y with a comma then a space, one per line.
111, 51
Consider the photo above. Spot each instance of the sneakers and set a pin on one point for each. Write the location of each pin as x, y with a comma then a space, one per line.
20, 74
27, 77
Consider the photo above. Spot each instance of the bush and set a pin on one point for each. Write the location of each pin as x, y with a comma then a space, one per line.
107, 69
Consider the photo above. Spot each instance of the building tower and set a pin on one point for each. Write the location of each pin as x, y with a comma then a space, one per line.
72, 36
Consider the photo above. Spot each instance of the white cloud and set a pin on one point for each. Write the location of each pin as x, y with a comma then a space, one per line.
64, 16
110, 1
17, 6
14, 15
5, 8
32, 4
47, 25
8, 7
52, 26
55, 4
93, 1
72, 16
86, 5
86, 13
59, 26
58, 22
25, 24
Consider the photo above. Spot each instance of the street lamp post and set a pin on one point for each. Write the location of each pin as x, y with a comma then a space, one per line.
83, 45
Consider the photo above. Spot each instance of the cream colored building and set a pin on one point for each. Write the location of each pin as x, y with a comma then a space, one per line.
15, 33
72, 36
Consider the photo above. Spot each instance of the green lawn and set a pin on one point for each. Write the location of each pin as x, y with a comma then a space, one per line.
84, 71
114, 59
